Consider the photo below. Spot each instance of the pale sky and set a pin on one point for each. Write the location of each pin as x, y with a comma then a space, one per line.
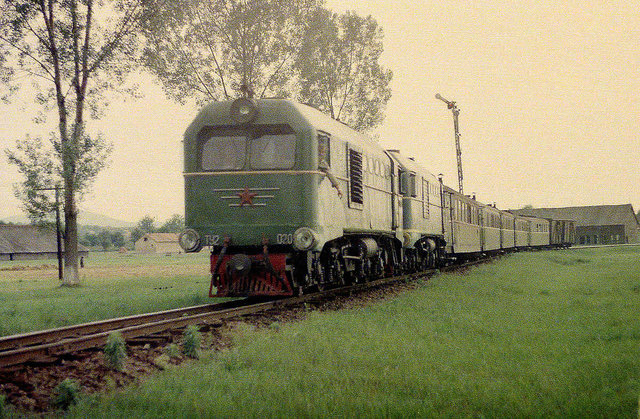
548, 92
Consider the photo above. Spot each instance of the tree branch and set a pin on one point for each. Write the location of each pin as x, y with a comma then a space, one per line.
76, 54
125, 28
213, 55
30, 55
277, 70
85, 48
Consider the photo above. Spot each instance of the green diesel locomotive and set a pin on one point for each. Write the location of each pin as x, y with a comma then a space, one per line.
288, 198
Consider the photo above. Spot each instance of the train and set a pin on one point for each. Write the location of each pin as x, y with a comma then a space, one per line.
289, 200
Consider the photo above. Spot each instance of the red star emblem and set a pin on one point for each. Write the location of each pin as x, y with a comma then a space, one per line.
246, 197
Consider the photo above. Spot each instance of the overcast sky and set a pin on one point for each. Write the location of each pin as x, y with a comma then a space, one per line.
548, 92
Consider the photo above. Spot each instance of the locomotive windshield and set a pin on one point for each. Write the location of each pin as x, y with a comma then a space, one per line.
258, 148
224, 153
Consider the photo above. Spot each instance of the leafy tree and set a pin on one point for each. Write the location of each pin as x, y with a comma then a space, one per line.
175, 224
117, 239
147, 224
104, 239
339, 71
41, 164
81, 58
213, 50
89, 239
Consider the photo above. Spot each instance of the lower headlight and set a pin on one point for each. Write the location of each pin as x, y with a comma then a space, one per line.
304, 238
189, 240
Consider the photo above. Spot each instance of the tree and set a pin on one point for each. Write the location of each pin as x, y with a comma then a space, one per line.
81, 58
117, 239
89, 239
147, 224
104, 239
339, 71
41, 164
175, 224
212, 50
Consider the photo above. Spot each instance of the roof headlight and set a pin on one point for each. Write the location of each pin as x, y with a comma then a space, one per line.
304, 239
244, 110
189, 240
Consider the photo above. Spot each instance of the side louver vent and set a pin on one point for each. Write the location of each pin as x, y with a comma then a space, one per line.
355, 176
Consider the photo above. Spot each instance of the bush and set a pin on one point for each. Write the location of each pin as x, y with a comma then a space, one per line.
191, 340
66, 394
172, 350
3, 408
115, 351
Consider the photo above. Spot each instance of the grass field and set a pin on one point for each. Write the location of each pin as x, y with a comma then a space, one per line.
544, 334
112, 285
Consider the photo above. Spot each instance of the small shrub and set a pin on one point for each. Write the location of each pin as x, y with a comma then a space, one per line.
65, 394
231, 361
3, 409
110, 384
162, 361
172, 350
115, 351
191, 340
275, 326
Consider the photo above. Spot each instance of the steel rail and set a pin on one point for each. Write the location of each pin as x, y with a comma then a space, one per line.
50, 344
42, 337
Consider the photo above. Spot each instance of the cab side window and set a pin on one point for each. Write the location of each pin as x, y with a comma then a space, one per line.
324, 150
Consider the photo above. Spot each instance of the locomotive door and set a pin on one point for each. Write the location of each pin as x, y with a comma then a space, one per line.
483, 232
500, 218
447, 220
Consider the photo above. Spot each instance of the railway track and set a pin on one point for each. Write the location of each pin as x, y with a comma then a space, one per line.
49, 345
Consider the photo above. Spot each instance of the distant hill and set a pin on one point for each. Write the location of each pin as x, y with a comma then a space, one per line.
89, 218
85, 218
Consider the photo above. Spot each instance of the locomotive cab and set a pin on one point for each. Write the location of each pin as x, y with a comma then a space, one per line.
251, 176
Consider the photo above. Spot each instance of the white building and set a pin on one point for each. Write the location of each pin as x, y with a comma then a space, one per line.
158, 243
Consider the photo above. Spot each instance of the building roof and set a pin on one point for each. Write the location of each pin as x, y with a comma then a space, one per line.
29, 239
162, 237
587, 216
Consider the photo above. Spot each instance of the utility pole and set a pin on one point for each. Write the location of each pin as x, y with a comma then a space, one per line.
452, 105
57, 188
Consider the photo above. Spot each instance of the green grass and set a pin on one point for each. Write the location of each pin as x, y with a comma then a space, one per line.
545, 334
112, 285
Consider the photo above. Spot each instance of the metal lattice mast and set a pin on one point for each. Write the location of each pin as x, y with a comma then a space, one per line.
452, 105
